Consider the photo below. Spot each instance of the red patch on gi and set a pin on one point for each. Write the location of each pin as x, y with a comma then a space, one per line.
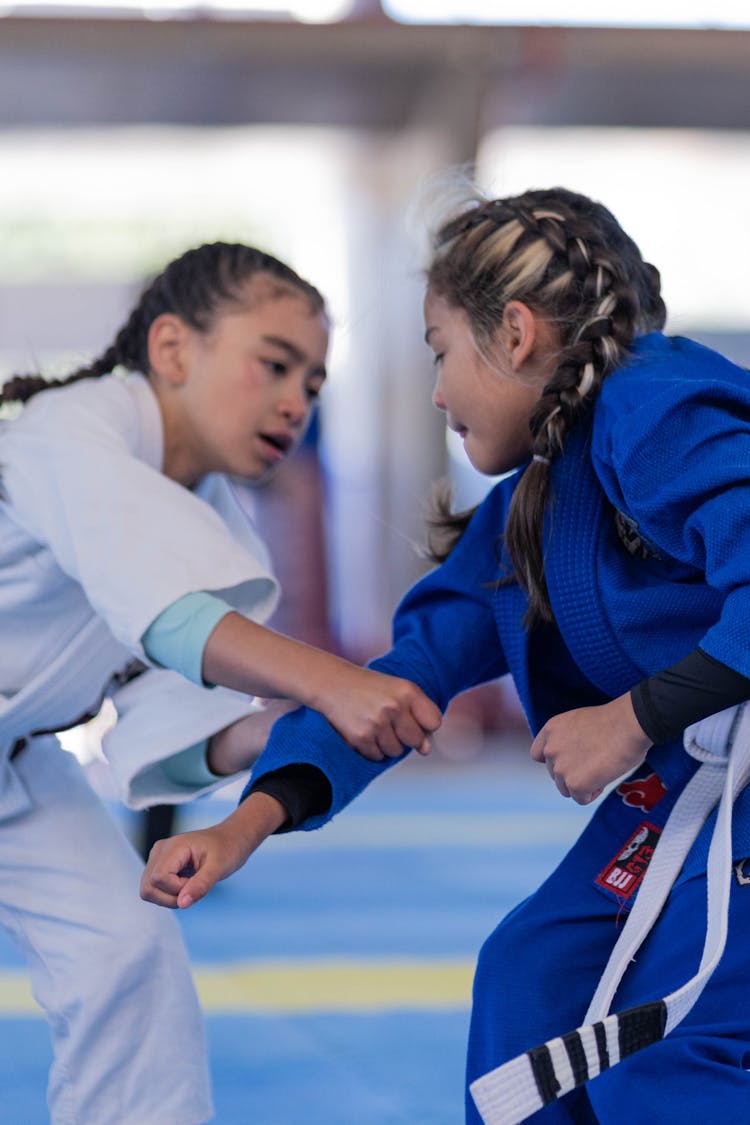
624, 873
642, 792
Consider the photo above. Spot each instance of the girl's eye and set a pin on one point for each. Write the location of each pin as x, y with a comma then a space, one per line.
313, 392
276, 366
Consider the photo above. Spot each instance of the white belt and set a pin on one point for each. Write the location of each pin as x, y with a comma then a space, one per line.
510, 1093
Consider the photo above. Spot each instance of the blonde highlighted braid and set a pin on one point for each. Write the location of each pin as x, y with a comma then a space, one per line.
567, 258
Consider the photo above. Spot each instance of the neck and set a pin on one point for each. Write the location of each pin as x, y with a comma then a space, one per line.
181, 461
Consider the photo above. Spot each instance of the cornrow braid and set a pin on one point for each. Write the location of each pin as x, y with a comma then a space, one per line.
195, 287
567, 258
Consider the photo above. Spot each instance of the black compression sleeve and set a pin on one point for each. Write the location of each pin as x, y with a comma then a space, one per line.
690, 690
302, 789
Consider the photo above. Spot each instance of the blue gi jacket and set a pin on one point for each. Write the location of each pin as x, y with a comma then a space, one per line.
668, 447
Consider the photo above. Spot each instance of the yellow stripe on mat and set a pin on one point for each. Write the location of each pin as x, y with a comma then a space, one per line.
304, 986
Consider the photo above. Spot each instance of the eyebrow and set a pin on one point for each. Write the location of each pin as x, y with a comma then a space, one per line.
293, 352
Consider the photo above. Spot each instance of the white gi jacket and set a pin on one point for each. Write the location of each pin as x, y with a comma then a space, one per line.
94, 543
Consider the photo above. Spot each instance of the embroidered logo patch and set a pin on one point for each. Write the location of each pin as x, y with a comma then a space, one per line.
741, 868
642, 792
624, 873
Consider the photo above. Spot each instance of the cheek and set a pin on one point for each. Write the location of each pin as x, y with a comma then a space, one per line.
248, 391
250, 377
506, 430
457, 389
518, 435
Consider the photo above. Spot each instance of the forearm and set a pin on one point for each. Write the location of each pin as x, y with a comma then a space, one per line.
237, 747
256, 818
251, 658
306, 738
377, 715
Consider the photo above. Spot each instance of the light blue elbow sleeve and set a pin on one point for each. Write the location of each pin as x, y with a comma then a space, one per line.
190, 768
177, 637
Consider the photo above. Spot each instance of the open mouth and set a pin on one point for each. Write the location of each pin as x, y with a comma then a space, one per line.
280, 443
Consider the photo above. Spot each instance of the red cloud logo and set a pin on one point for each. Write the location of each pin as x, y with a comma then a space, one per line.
643, 792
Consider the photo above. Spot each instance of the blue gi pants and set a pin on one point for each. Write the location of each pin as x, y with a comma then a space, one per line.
538, 971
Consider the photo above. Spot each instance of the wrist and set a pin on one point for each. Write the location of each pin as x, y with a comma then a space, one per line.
325, 672
626, 714
258, 817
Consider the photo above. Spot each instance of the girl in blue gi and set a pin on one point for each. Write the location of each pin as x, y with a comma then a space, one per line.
122, 539
610, 575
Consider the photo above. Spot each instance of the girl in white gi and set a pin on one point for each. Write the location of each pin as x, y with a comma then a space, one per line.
121, 540
610, 575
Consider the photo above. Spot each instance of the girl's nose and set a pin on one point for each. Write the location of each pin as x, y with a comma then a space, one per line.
294, 404
437, 398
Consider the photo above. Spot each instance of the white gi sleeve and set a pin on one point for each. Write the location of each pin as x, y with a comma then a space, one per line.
81, 473
159, 714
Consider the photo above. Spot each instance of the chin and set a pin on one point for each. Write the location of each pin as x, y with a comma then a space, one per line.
265, 473
493, 468
252, 474
488, 466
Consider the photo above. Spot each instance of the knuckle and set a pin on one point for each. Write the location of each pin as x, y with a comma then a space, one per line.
363, 734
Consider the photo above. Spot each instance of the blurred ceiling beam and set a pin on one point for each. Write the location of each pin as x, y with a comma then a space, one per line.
367, 72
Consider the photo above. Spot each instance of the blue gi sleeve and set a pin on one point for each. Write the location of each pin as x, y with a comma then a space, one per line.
672, 447
444, 640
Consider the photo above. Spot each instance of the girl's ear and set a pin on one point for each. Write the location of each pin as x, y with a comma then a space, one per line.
519, 333
167, 337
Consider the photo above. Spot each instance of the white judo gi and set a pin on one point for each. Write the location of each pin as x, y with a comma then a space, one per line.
94, 543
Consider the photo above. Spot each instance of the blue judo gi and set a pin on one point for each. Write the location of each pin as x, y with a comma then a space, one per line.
647, 556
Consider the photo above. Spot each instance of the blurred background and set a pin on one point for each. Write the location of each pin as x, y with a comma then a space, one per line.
314, 128
129, 132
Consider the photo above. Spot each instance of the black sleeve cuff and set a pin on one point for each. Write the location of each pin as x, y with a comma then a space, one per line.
302, 789
690, 690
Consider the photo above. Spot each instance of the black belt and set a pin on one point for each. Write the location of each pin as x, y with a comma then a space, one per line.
17, 747
131, 672
21, 743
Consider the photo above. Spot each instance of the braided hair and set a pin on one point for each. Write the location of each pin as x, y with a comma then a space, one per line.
195, 287
566, 257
